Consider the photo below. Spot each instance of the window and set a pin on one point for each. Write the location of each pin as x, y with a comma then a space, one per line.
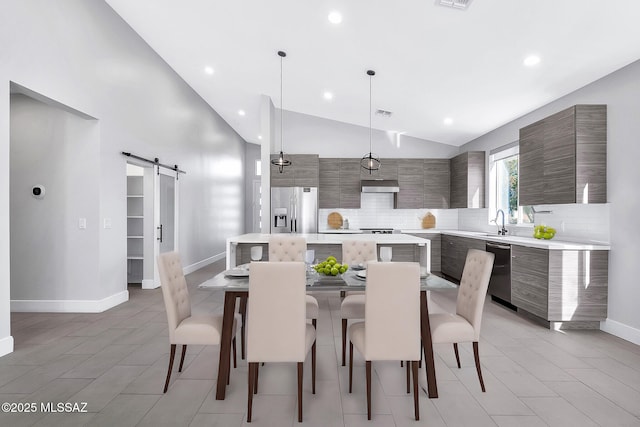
258, 167
503, 187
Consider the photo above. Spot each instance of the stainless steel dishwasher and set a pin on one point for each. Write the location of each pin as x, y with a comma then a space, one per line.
500, 283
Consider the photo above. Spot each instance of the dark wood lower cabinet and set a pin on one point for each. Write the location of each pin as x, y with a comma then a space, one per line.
560, 285
454, 253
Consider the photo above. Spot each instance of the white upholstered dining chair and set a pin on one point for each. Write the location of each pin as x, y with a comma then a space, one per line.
293, 248
464, 325
277, 330
184, 328
391, 327
354, 252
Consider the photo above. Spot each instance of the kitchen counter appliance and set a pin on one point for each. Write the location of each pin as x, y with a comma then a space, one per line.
294, 210
500, 282
379, 230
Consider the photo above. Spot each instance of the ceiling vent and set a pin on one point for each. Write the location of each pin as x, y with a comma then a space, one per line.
384, 113
456, 4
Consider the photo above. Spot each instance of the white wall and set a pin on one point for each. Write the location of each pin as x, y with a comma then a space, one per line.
304, 134
621, 92
81, 54
51, 258
251, 154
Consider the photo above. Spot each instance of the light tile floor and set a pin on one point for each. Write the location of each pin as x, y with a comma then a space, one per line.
116, 362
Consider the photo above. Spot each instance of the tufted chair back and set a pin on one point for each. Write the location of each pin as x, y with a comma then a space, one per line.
473, 287
276, 312
174, 290
287, 248
358, 251
392, 311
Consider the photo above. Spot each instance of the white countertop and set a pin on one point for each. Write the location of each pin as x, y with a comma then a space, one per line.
330, 239
341, 231
518, 240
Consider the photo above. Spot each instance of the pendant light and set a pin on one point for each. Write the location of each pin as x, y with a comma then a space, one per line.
370, 161
281, 162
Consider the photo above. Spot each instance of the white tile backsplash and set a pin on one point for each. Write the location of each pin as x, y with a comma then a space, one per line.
574, 222
376, 210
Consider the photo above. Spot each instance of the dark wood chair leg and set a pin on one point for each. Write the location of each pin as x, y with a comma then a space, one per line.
368, 375
243, 313
342, 294
235, 353
350, 366
416, 406
184, 350
455, 350
408, 378
313, 368
300, 371
344, 339
255, 379
401, 363
314, 322
252, 366
476, 355
171, 356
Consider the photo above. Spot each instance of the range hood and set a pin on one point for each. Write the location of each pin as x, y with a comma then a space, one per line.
379, 186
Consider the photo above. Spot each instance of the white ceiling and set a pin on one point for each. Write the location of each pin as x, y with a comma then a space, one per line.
431, 62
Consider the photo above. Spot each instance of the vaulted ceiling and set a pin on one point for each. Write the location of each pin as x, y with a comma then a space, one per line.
432, 62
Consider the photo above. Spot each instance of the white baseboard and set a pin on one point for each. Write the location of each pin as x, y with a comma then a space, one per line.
149, 284
198, 265
70, 306
621, 330
6, 345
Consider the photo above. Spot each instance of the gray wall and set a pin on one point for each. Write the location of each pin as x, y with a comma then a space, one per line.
251, 154
621, 92
81, 54
51, 258
304, 134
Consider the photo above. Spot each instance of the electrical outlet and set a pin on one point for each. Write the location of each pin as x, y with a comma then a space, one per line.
82, 223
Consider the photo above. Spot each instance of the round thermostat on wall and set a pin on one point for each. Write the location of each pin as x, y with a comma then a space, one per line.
38, 191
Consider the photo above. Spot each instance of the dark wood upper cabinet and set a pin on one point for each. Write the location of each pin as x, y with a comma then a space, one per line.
563, 158
467, 180
329, 188
437, 188
411, 182
303, 172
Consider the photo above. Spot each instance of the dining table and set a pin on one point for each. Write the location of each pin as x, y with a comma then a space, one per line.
235, 284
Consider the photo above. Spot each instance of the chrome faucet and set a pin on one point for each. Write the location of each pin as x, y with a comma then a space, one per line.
501, 231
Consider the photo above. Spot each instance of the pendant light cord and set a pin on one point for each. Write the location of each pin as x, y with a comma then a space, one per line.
370, 104
281, 110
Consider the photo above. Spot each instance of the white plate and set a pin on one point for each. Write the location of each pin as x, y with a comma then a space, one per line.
237, 272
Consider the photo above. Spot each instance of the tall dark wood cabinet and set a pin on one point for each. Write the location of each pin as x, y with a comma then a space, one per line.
563, 158
467, 180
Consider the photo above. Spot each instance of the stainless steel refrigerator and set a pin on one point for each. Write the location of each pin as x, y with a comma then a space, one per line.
294, 210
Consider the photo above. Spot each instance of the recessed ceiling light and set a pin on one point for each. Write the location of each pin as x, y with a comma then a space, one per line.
259, 136
531, 60
335, 17
241, 112
448, 121
209, 70
328, 96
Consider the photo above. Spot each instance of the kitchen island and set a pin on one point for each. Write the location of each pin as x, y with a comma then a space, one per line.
404, 247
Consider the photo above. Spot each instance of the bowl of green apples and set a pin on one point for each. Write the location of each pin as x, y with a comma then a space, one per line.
543, 232
330, 267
